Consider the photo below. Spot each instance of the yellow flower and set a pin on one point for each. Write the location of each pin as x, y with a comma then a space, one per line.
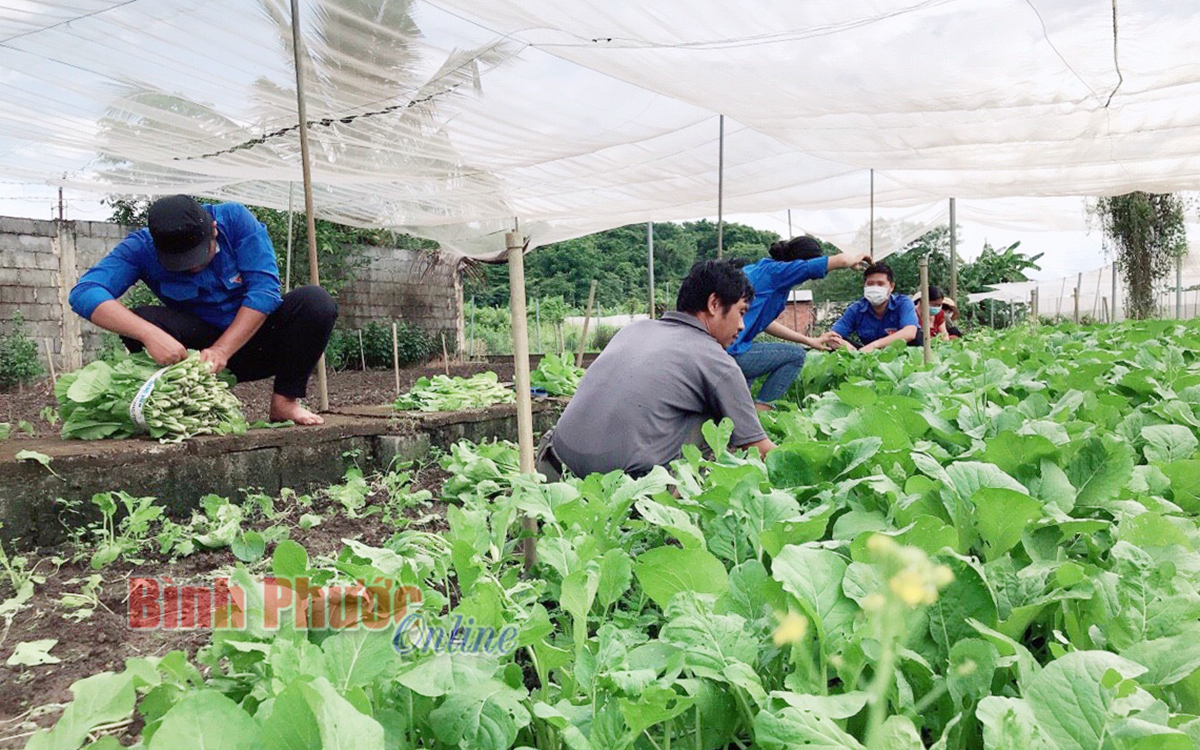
873, 602
792, 628
880, 543
910, 587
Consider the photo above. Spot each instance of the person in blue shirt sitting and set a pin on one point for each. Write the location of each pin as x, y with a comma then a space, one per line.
881, 316
792, 262
214, 269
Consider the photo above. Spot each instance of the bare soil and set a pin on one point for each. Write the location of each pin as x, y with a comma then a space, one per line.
347, 388
33, 696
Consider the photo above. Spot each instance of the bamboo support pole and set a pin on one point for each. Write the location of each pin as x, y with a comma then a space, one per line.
396, 358
587, 317
926, 334
520, 335
306, 166
50, 361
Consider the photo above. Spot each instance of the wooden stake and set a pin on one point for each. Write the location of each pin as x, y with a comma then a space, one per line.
362, 352
305, 164
520, 334
587, 316
1104, 303
50, 352
396, 358
926, 336
445, 355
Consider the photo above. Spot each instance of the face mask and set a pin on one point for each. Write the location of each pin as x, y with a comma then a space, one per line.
935, 310
876, 295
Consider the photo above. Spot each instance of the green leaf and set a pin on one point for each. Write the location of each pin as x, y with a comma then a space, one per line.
1185, 484
92, 382
1168, 442
579, 592
899, 733
1001, 516
41, 458
357, 657
1011, 451
674, 521
100, 699
1099, 470
33, 653
967, 597
291, 724
841, 706
1070, 700
710, 643
791, 728
341, 725
654, 706
972, 666
666, 571
717, 435
814, 576
616, 576
249, 546
290, 560
484, 716
204, 720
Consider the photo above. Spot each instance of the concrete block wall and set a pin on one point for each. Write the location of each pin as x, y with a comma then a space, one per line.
412, 286
41, 260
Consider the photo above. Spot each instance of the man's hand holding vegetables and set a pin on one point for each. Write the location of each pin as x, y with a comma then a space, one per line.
214, 269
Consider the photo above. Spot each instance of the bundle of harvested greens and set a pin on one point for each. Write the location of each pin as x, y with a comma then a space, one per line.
557, 374
442, 393
136, 396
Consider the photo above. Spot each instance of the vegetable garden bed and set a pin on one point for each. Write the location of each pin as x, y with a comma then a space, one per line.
998, 551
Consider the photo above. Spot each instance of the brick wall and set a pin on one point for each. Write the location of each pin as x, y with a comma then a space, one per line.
41, 260
798, 316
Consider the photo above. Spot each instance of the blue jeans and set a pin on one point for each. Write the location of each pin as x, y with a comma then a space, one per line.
781, 364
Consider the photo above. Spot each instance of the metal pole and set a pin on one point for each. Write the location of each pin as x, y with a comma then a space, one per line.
926, 336
1096, 301
1179, 287
953, 251
872, 248
790, 235
650, 262
991, 313
302, 111
587, 318
520, 335
721, 190
291, 216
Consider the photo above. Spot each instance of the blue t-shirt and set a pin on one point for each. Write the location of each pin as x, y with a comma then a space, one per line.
243, 273
772, 280
860, 318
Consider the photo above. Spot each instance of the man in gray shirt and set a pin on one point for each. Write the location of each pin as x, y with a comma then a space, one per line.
658, 381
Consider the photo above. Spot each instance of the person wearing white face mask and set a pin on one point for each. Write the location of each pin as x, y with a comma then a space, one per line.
881, 316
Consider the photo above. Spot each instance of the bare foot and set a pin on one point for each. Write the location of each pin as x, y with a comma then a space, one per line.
284, 408
763, 407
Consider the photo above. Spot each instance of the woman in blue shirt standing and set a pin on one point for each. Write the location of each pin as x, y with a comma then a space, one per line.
792, 262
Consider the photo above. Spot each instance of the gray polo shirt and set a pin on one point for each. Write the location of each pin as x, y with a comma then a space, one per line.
648, 393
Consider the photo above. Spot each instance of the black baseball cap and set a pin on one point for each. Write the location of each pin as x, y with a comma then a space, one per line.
181, 231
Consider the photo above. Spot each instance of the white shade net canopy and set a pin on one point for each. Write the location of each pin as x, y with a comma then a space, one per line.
458, 119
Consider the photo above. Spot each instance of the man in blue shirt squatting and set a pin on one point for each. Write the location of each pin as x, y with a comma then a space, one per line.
792, 262
214, 269
881, 316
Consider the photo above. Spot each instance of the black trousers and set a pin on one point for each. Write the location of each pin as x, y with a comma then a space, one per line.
287, 346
